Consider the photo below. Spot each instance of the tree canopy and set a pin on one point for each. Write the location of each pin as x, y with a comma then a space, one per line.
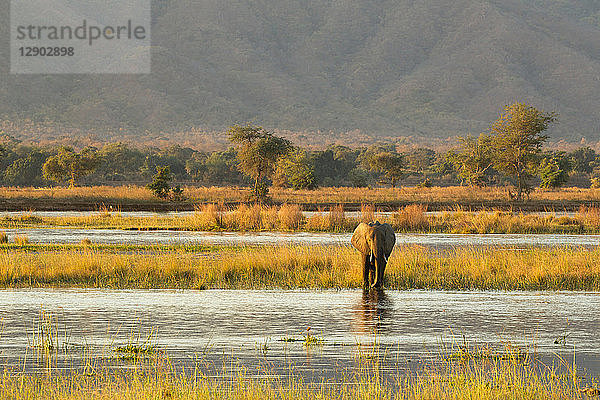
473, 159
296, 170
258, 151
68, 165
517, 138
390, 165
554, 170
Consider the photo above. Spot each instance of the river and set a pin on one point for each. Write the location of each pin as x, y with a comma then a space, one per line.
221, 328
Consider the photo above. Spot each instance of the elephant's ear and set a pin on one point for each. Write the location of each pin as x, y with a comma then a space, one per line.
359, 238
390, 239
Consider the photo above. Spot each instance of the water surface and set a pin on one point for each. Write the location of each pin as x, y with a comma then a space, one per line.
213, 328
434, 240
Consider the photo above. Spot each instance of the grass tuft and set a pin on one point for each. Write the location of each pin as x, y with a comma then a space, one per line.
290, 217
21, 240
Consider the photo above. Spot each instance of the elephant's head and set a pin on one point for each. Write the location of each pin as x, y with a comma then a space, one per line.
375, 241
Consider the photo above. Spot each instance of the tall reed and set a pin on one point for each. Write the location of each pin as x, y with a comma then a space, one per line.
290, 217
589, 217
367, 213
486, 380
411, 218
210, 215
337, 217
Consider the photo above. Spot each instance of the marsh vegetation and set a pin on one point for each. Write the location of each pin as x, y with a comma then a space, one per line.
288, 267
291, 218
506, 379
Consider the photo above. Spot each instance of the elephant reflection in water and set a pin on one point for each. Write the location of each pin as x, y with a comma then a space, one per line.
373, 312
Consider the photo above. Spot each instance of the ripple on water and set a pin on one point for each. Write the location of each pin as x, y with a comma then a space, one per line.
434, 240
248, 325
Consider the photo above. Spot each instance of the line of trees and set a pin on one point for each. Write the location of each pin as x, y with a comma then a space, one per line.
511, 153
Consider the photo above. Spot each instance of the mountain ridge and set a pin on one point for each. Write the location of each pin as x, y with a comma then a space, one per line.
406, 68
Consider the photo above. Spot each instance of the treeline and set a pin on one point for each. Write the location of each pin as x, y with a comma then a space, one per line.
510, 153
23, 165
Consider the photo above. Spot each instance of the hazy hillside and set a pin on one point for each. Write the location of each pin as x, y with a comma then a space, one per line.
432, 68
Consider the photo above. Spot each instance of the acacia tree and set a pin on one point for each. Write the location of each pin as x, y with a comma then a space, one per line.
69, 165
517, 140
391, 165
258, 151
473, 159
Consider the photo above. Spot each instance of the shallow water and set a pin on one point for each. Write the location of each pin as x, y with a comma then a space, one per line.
441, 240
212, 328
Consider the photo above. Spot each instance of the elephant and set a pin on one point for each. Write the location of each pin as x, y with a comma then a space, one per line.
375, 241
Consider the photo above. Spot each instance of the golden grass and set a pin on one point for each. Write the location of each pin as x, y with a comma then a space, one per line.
509, 378
324, 196
300, 267
289, 217
589, 217
74, 192
411, 218
21, 240
449, 195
